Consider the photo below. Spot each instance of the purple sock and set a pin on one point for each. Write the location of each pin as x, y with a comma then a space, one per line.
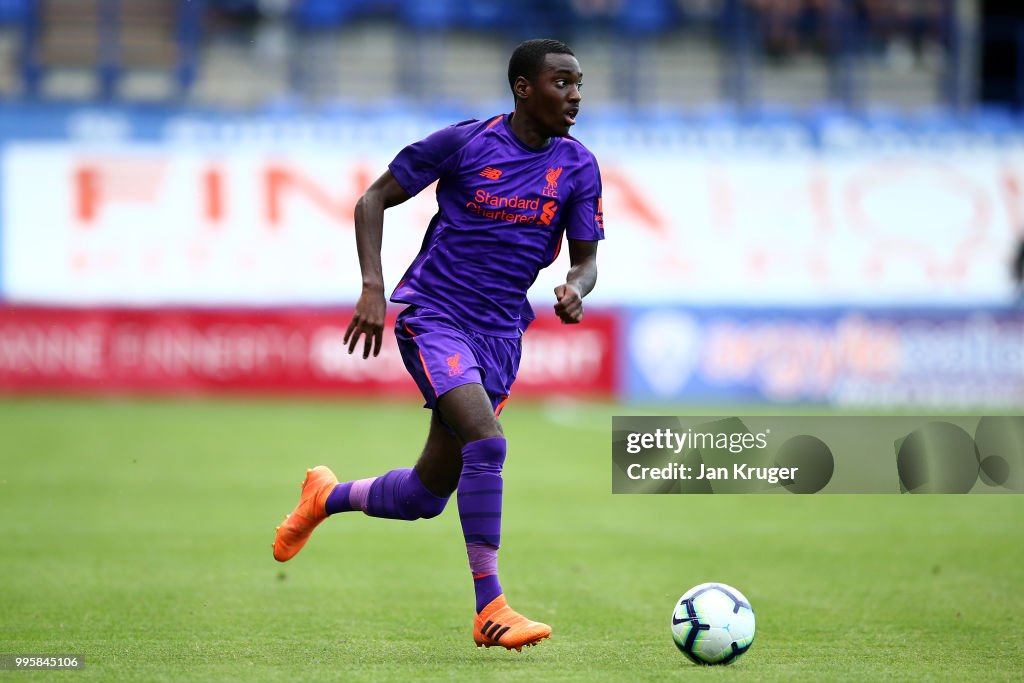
400, 494
483, 562
479, 498
348, 496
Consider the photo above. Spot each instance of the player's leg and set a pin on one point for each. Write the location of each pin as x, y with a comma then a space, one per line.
398, 494
470, 411
440, 463
467, 410
425, 340
420, 492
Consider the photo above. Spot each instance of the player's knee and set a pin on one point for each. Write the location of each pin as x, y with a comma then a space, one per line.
421, 507
485, 456
467, 410
485, 428
432, 508
417, 501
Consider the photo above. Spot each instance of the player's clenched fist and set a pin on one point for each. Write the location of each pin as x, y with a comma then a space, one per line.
570, 304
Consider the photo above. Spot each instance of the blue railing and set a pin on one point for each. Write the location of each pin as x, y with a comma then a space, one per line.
747, 31
108, 65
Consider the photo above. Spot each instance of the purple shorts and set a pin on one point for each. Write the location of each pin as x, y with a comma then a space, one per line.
441, 355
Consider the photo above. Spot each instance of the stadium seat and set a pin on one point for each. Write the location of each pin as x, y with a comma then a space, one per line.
994, 118
485, 14
646, 17
323, 14
13, 11
433, 15
236, 6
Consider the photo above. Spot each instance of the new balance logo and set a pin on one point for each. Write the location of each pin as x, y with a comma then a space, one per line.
494, 631
491, 173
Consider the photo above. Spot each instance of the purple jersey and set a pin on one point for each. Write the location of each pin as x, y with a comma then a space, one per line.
502, 210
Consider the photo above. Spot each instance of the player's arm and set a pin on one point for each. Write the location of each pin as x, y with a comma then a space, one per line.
369, 223
579, 282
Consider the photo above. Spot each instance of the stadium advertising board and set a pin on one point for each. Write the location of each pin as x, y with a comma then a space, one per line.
300, 351
266, 219
865, 358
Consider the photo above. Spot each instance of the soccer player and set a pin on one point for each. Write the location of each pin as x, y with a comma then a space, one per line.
508, 188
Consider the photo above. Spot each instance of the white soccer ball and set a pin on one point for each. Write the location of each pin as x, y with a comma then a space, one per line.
713, 624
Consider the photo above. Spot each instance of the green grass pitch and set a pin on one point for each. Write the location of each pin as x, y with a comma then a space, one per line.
139, 533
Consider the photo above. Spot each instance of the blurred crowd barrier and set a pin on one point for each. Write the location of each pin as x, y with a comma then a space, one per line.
814, 259
636, 53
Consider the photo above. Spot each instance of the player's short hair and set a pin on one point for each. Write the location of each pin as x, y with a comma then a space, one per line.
528, 58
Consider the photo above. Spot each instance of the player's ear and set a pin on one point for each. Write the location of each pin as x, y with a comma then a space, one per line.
522, 88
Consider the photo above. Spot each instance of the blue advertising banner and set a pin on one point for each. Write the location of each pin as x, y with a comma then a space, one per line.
838, 357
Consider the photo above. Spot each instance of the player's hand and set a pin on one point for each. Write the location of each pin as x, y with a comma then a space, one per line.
569, 307
369, 320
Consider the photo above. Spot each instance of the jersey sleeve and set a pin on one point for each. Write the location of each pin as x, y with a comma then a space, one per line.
423, 162
584, 217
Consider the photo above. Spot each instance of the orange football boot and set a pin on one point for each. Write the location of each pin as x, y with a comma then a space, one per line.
296, 528
499, 624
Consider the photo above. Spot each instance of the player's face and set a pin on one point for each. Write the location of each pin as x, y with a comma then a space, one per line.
555, 98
